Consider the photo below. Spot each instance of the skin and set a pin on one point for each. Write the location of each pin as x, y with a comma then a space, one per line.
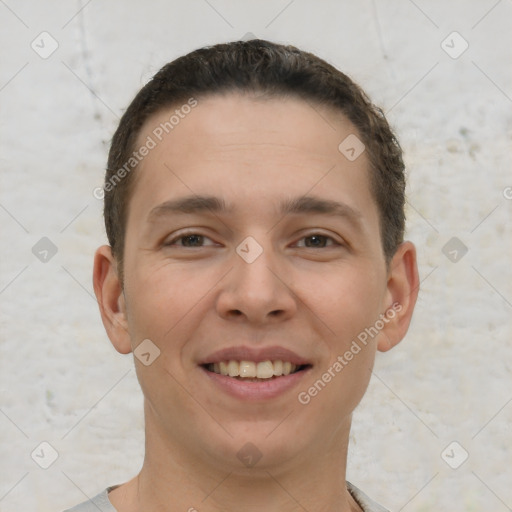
191, 301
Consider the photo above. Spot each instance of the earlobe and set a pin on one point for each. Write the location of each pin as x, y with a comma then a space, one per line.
403, 287
111, 300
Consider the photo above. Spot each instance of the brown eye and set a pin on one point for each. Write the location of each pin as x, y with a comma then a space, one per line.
190, 240
316, 241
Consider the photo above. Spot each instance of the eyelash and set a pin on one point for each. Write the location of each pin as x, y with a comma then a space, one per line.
182, 236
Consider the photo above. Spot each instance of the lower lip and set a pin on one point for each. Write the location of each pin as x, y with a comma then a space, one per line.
266, 389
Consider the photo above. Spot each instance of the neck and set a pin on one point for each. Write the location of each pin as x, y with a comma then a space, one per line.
174, 478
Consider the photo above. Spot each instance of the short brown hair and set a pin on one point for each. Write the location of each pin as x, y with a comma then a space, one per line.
271, 69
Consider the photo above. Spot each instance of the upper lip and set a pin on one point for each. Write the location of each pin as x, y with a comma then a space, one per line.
257, 355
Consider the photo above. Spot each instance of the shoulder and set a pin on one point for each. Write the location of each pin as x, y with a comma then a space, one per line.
366, 503
99, 502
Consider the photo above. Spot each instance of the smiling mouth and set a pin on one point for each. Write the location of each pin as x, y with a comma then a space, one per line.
251, 371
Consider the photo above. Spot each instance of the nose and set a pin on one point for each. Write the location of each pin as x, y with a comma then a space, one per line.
256, 292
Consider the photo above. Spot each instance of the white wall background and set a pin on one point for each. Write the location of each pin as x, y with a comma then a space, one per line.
450, 380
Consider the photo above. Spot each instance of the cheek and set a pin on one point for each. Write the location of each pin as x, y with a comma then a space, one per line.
347, 303
167, 298
154, 299
346, 299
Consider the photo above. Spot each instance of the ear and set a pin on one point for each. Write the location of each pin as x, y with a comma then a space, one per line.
110, 296
402, 292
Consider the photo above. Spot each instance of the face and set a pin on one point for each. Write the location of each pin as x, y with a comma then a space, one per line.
253, 249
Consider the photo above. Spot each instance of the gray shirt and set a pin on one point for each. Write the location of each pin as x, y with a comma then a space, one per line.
101, 503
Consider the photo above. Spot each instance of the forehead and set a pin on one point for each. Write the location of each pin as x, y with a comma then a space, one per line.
235, 118
249, 149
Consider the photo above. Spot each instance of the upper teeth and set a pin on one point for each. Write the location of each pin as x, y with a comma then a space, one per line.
250, 369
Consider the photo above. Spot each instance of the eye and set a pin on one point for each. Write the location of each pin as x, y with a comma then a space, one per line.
189, 240
317, 241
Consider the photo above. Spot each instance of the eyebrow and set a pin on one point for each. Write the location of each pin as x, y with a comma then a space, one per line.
300, 205
189, 204
311, 204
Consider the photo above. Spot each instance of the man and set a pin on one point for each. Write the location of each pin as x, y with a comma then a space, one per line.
254, 208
